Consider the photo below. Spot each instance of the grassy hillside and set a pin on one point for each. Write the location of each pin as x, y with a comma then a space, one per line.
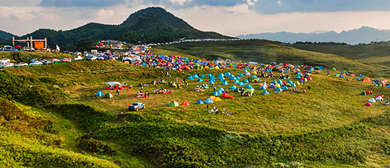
328, 126
266, 51
26, 56
377, 54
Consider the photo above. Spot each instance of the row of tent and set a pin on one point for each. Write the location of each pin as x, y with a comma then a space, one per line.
101, 94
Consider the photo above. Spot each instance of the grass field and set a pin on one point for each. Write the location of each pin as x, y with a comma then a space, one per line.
56, 119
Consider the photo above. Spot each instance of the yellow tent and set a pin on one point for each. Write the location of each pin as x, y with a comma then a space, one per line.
216, 67
206, 67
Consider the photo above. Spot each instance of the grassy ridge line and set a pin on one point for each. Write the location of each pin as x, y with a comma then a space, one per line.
32, 55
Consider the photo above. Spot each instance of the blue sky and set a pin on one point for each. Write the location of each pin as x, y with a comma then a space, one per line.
229, 17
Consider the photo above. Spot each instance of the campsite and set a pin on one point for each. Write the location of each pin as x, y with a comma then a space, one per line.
154, 91
274, 113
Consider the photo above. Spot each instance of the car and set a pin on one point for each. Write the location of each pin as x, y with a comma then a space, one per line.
100, 58
136, 106
54, 60
65, 60
35, 63
90, 58
4, 60
78, 58
21, 64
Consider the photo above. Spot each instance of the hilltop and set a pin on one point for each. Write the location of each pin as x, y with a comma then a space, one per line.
150, 25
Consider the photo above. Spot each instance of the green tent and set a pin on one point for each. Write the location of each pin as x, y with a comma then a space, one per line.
173, 104
334, 68
197, 66
140, 85
253, 79
108, 95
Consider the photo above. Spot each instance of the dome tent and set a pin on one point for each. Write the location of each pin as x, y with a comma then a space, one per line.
233, 87
99, 94
208, 100
185, 103
199, 102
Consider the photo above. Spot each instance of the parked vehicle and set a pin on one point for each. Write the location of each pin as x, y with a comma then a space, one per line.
65, 60
100, 58
35, 63
90, 58
20, 64
136, 106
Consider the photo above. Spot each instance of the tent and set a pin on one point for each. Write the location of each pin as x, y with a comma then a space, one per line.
190, 78
200, 80
363, 93
215, 93
113, 83
215, 98
262, 88
173, 104
367, 80
249, 86
278, 90
241, 75
272, 87
372, 100
100, 94
199, 102
368, 104
241, 84
185, 103
202, 76
233, 87
285, 88
195, 76
246, 81
208, 100
253, 79
108, 95
211, 82
265, 92
225, 83
251, 91
231, 97
379, 98
139, 85
224, 95
236, 81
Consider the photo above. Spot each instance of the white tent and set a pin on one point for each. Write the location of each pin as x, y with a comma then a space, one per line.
379, 98
113, 83
372, 100
248, 74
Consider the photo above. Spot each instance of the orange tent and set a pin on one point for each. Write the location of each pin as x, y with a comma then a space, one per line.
231, 97
185, 103
367, 80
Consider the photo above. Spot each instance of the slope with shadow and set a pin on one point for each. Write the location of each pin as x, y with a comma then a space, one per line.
148, 25
264, 51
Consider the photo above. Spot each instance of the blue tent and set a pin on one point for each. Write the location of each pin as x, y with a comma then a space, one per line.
273, 82
195, 76
221, 89
208, 100
241, 84
262, 88
357, 79
265, 92
254, 76
202, 76
279, 81
248, 86
99, 94
238, 78
341, 76
246, 81
233, 78
199, 102
227, 73
244, 71
361, 75
210, 75
286, 71
211, 82
220, 75
388, 86
278, 89
236, 81
190, 78
285, 88
272, 87
215, 93
225, 83
200, 80
298, 77
234, 87
241, 75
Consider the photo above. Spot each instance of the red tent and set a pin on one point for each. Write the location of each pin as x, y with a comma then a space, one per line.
18, 46
224, 95
368, 104
185, 103
231, 97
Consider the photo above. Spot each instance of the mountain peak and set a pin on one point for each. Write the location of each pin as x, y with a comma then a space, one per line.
152, 17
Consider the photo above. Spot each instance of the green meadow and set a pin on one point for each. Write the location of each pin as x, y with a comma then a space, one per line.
50, 116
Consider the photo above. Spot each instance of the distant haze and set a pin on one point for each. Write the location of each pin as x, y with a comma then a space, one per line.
355, 36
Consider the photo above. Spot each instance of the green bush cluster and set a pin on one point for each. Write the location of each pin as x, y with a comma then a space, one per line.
95, 146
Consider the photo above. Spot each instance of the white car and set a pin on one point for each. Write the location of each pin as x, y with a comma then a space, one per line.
4, 60
36, 63
100, 58
6, 64
78, 58
90, 58
21, 64
33, 60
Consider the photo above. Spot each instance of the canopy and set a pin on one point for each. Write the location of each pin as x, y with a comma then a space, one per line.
113, 83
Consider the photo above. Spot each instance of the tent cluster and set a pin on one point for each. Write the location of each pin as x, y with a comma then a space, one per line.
101, 94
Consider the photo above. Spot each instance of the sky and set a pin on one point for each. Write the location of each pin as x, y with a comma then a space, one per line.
228, 17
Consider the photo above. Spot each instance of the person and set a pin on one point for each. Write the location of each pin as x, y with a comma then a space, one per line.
308, 87
148, 94
216, 111
117, 92
223, 108
303, 90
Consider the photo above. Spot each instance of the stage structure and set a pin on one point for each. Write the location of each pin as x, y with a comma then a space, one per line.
39, 44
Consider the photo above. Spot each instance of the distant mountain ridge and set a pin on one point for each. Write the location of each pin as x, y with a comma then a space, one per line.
5, 35
355, 36
150, 25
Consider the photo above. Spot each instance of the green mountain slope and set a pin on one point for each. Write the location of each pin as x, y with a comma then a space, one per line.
5, 35
149, 25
